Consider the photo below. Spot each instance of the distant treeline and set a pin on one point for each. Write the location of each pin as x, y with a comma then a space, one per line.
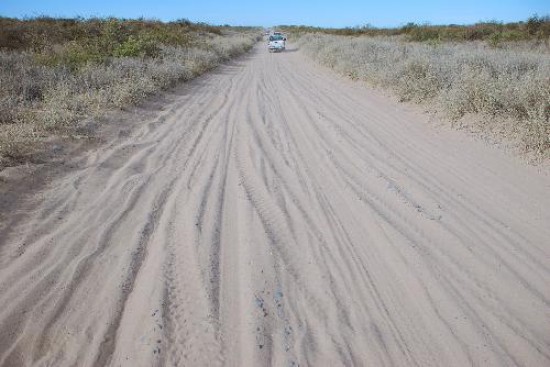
534, 28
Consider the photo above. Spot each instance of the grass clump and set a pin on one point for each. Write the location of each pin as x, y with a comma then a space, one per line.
56, 72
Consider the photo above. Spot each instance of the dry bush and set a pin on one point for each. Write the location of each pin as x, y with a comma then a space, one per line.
511, 83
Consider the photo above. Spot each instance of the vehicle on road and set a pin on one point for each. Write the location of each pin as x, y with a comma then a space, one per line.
277, 42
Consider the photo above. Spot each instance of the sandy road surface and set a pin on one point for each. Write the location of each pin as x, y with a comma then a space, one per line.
278, 215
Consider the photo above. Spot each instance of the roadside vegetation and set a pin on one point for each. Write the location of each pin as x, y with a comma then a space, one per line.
495, 82
535, 28
54, 73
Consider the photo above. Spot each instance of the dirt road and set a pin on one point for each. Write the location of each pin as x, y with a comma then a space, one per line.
276, 214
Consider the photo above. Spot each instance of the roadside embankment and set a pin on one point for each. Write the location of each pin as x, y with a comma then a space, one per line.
500, 91
55, 73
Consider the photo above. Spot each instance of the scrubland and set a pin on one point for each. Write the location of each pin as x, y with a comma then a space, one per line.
500, 89
54, 73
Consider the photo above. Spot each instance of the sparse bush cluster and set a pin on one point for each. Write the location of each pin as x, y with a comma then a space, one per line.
509, 87
55, 72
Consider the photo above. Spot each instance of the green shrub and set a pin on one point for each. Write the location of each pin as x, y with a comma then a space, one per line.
137, 46
497, 39
422, 34
72, 55
538, 26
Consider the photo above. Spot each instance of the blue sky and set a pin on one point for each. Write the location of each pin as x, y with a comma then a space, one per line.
326, 13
